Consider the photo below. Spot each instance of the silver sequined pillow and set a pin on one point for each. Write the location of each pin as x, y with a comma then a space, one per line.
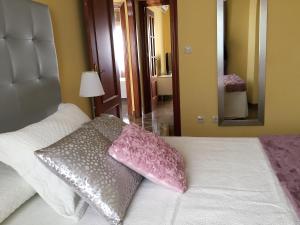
110, 126
81, 159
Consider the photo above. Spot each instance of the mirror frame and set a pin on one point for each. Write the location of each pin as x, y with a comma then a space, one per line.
262, 67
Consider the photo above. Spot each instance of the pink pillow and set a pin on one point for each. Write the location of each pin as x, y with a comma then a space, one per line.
150, 156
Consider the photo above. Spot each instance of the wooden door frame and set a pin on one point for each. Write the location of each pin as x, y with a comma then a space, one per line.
175, 59
133, 82
151, 60
121, 7
147, 107
134, 58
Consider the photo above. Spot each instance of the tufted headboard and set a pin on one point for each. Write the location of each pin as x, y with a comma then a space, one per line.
29, 85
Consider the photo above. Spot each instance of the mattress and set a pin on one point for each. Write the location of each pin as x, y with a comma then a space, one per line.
164, 85
235, 105
231, 182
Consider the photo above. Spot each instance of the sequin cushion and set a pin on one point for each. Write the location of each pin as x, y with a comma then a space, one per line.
81, 159
150, 156
110, 126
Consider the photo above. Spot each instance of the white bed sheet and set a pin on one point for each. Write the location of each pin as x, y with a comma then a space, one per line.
235, 105
230, 183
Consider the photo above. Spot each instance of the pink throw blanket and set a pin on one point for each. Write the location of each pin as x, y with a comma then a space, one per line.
284, 155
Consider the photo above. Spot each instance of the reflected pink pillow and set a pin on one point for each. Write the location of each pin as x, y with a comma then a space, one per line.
150, 156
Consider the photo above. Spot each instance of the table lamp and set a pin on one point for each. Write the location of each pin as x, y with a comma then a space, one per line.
91, 87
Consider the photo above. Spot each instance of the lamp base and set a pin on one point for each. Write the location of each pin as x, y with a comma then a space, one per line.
93, 107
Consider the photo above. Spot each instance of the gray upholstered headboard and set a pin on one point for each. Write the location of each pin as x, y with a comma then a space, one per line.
29, 85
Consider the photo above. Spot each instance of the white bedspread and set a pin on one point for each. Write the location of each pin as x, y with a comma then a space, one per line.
230, 183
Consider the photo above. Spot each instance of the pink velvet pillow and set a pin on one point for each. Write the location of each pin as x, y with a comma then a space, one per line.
150, 156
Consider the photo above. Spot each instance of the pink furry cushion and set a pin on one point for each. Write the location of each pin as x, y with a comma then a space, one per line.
149, 155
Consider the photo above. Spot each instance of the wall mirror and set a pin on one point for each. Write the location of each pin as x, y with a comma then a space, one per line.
241, 37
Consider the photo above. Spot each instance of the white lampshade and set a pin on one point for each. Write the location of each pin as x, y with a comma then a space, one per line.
91, 85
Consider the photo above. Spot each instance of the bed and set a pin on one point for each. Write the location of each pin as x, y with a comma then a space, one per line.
231, 181
227, 185
164, 85
235, 97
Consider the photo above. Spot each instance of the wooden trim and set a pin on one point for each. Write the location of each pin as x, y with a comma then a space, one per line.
90, 30
144, 59
175, 67
121, 7
175, 59
134, 58
126, 59
91, 41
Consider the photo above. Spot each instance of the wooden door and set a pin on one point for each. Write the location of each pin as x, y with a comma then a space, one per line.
99, 21
175, 62
152, 69
121, 51
131, 15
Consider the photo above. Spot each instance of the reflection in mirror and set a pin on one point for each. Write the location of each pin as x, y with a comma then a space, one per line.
241, 61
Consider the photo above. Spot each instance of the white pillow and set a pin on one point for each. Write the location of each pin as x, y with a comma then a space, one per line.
14, 191
17, 150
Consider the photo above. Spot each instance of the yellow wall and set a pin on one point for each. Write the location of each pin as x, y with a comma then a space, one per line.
198, 75
253, 52
162, 35
70, 44
167, 31
159, 38
241, 36
198, 79
237, 27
